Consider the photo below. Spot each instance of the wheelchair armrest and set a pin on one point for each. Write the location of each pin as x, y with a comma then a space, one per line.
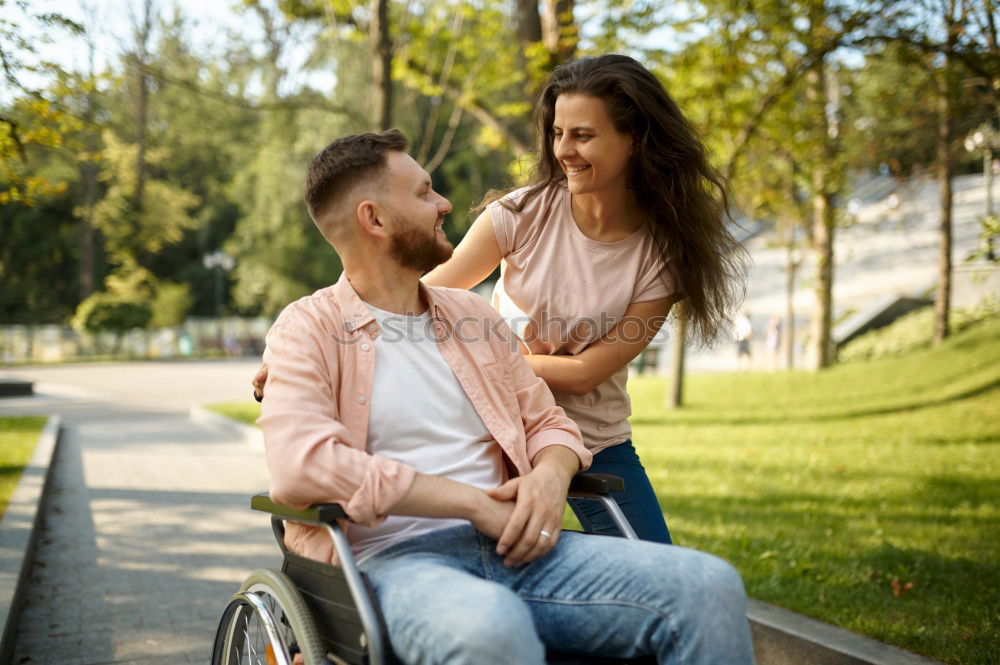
595, 483
318, 513
324, 513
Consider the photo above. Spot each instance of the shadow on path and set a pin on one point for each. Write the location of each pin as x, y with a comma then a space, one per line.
146, 534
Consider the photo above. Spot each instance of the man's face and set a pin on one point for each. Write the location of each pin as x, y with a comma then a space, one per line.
416, 215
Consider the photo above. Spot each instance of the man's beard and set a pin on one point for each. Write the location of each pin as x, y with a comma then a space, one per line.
413, 248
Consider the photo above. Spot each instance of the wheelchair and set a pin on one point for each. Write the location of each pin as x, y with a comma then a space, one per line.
313, 613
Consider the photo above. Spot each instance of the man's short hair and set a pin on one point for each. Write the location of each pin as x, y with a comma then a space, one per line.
345, 163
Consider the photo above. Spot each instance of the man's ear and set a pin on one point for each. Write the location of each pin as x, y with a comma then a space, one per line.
369, 218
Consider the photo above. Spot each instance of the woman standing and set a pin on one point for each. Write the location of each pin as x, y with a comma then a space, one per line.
624, 218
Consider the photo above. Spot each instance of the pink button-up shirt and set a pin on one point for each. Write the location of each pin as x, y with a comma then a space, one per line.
321, 360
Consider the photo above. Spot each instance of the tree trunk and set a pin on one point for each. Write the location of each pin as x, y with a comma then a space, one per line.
942, 300
142, 113
676, 398
821, 351
529, 23
821, 96
88, 174
820, 341
381, 48
143, 32
529, 35
788, 330
559, 31
88, 182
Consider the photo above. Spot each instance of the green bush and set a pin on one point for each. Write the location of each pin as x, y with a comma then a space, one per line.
106, 312
913, 331
170, 304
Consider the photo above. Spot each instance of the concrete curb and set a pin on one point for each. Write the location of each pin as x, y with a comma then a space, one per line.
18, 531
783, 637
250, 435
780, 636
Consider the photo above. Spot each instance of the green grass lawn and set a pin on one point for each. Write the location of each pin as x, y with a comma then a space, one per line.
244, 412
829, 490
18, 437
826, 490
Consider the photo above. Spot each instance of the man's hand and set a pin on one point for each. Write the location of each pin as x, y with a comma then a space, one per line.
534, 527
491, 516
258, 381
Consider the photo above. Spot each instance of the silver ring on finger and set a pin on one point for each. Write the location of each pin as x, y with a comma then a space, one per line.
544, 534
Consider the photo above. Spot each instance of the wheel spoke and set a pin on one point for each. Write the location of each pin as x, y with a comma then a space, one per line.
270, 624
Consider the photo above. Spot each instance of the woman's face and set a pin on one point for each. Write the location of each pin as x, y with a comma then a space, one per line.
593, 154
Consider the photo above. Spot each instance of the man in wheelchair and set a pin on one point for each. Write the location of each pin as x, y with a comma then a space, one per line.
413, 408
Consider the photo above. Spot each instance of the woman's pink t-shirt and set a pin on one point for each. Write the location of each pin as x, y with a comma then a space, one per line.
573, 290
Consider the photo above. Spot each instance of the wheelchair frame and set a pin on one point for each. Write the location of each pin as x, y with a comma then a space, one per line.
339, 599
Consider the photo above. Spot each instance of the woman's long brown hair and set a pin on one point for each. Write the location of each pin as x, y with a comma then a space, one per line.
683, 196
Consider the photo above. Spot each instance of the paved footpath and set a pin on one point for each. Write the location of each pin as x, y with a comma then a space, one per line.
147, 531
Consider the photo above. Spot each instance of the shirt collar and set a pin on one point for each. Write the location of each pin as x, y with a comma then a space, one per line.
356, 313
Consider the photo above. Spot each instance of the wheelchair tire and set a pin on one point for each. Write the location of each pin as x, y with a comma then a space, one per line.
242, 637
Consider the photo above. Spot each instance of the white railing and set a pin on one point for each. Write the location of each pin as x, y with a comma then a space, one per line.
196, 337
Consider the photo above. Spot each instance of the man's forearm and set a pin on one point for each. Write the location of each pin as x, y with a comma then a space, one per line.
558, 459
437, 496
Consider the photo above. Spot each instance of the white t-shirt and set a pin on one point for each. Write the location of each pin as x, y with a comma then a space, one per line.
421, 416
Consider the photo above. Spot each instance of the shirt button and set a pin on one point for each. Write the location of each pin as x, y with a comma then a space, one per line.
371, 326
361, 400
365, 346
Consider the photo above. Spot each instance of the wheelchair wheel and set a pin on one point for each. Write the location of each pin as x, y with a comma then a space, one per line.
267, 623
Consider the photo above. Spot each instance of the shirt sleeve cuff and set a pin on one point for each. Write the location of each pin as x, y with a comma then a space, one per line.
386, 481
501, 226
548, 438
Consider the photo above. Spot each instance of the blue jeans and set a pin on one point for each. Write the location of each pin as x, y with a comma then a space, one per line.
638, 501
447, 598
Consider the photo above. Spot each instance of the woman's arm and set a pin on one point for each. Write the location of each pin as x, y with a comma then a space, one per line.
474, 259
586, 370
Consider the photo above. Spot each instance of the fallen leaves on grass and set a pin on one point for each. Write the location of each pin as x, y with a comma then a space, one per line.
899, 588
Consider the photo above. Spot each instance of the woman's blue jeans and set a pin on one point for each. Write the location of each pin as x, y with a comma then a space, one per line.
638, 501
447, 598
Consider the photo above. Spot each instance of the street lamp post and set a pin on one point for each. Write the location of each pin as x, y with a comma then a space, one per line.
987, 140
219, 263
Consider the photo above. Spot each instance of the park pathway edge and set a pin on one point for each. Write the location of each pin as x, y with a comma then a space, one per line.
18, 530
783, 637
780, 636
249, 435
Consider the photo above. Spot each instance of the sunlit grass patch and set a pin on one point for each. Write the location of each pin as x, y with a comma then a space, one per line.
18, 437
866, 495
245, 412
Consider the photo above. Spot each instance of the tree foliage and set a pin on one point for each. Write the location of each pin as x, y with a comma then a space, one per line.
33, 118
792, 98
132, 233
